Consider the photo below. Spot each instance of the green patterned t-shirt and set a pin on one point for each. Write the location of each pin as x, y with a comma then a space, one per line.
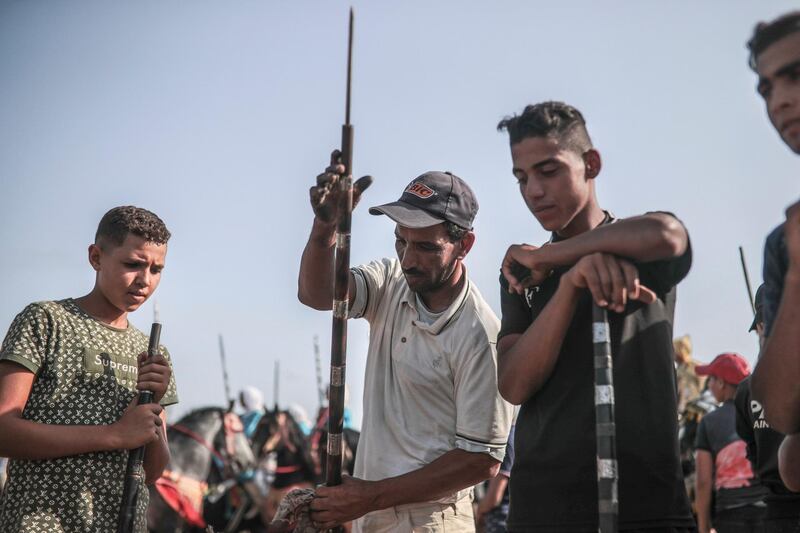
85, 375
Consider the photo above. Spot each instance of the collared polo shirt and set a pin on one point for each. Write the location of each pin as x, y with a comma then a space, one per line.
429, 388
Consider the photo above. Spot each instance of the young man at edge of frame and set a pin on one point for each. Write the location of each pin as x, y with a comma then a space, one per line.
775, 57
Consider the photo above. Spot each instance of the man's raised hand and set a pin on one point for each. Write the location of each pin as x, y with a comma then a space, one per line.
325, 194
611, 280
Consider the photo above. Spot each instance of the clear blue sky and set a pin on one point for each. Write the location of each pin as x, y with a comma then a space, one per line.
218, 116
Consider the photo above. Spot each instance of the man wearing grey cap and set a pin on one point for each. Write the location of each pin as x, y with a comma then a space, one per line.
434, 423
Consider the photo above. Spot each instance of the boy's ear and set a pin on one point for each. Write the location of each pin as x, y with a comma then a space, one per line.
593, 162
94, 256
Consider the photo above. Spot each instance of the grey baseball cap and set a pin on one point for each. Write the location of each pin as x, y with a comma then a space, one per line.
430, 199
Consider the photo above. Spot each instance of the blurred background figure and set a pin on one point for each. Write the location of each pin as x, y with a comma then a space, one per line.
300, 417
252, 402
721, 457
492, 510
690, 385
694, 402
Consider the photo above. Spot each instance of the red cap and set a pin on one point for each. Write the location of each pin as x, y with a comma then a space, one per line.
729, 367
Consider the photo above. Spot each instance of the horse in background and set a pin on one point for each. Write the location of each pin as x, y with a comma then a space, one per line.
208, 453
319, 445
284, 459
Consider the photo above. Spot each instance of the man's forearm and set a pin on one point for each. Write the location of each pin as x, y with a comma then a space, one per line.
644, 238
703, 508
24, 439
526, 362
776, 379
789, 462
453, 471
315, 282
704, 464
494, 494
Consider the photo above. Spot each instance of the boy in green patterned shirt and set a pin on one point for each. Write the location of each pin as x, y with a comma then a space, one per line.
69, 375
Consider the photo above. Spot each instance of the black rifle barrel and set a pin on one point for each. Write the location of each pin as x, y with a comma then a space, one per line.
747, 281
134, 472
341, 293
225, 382
605, 427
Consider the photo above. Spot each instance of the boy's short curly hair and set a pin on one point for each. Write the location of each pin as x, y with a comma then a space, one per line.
118, 222
549, 119
766, 34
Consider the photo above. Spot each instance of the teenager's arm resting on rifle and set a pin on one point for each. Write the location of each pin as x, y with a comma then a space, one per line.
602, 264
315, 282
139, 425
776, 379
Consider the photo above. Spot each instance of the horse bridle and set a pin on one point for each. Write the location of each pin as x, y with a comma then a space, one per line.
231, 424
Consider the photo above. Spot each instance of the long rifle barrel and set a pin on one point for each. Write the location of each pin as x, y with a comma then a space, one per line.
228, 397
747, 280
134, 472
349, 70
276, 379
341, 293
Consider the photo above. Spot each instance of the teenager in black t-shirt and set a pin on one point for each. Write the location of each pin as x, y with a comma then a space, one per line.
629, 266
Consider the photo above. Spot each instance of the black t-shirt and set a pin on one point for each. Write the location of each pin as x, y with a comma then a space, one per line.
554, 479
762, 451
734, 480
776, 263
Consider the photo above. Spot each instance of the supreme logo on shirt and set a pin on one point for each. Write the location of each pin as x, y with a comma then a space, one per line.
103, 362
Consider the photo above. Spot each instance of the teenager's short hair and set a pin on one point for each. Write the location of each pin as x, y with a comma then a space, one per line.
549, 119
766, 34
117, 223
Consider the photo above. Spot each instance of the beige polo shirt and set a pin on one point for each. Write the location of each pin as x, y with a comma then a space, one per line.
428, 388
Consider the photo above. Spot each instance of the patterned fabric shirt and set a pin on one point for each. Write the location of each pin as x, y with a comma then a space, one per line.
86, 374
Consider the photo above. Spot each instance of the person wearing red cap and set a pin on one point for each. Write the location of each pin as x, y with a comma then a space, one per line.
721, 457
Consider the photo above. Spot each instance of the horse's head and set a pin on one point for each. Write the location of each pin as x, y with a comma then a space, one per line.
277, 430
210, 436
207, 448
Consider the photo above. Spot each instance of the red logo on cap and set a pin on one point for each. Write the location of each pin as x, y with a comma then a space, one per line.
420, 190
